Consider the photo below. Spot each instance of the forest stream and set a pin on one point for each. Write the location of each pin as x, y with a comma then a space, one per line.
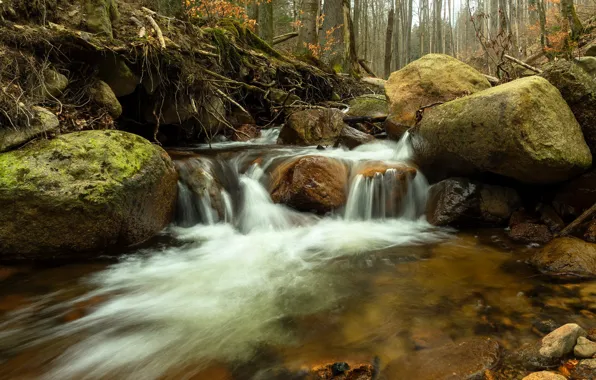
250, 289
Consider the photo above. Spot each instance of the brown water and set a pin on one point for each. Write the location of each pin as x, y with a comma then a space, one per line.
386, 305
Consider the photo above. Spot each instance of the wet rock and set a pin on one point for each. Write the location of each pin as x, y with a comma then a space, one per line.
351, 137
238, 118
116, 73
368, 105
544, 375
578, 88
584, 348
551, 219
585, 370
246, 132
310, 183
430, 79
82, 193
567, 257
43, 123
545, 326
370, 168
590, 233
99, 16
465, 360
522, 216
530, 233
561, 341
312, 127
54, 83
522, 129
343, 371
576, 196
104, 97
462, 202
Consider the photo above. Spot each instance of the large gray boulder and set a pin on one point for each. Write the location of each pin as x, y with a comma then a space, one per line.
428, 80
578, 88
82, 193
522, 130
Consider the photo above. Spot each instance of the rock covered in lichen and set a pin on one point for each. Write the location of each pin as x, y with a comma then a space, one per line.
83, 192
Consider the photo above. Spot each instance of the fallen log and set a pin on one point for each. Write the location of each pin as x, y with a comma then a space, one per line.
284, 37
364, 119
580, 219
523, 64
362, 63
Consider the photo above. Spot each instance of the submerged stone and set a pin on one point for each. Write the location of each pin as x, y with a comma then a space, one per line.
82, 193
466, 360
567, 257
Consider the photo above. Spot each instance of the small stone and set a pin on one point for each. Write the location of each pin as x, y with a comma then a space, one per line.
586, 369
351, 137
545, 326
544, 375
339, 368
561, 341
584, 348
55, 83
530, 233
102, 94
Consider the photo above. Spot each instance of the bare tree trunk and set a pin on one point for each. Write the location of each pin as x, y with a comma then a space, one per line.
266, 21
388, 40
350, 60
568, 13
307, 33
542, 17
253, 14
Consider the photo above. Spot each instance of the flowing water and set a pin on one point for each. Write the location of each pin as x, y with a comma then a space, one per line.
240, 286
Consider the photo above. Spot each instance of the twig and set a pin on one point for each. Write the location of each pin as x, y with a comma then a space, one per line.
580, 219
231, 100
284, 37
523, 64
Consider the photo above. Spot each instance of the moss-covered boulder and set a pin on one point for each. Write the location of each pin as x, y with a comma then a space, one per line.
578, 88
54, 83
522, 130
102, 94
368, 105
312, 127
82, 193
100, 14
588, 64
428, 80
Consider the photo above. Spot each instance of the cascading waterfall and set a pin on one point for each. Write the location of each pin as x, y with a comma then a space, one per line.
243, 265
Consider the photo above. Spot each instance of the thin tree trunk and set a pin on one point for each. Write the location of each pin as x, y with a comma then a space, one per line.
568, 13
388, 40
307, 33
266, 21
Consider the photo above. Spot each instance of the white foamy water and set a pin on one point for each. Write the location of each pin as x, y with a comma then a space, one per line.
231, 282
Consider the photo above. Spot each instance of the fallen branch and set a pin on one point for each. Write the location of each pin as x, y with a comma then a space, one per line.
162, 42
364, 119
284, 37
492, 80
375, 81
523, 64
580, 219
362, 63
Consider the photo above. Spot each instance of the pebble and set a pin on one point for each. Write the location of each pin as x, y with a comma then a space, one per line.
584, 348
561, 341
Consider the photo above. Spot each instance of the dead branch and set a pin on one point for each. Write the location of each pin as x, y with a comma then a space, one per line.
284, 37
523, 64
362, 63
162, 42
492, 80
580, 219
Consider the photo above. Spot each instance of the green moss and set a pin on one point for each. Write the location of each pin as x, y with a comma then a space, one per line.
89, 163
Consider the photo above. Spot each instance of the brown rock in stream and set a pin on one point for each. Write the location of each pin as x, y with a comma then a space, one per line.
567, 257
466, 360
530, 233
312, 127
246, 132
310, 183
352, 138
